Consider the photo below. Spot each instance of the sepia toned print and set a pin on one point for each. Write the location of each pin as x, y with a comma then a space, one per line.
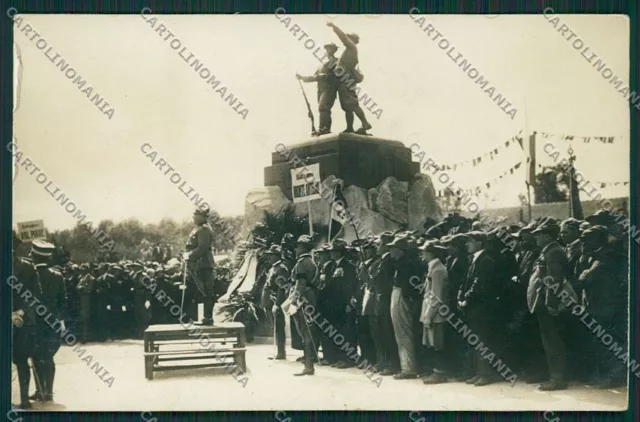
321, 212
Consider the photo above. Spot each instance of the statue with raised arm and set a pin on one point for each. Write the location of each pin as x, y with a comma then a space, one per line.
348, 76
327, 88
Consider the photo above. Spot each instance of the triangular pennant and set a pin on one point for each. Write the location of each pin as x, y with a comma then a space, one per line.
569, 138
506, 144
517, 166
603, 185
479, 159
610, 140
488, 185
495, 151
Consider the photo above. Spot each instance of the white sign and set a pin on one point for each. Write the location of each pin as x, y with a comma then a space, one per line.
305, 183
32, 230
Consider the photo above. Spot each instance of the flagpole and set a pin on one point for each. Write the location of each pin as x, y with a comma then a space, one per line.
531, 159
310, 219
333, 198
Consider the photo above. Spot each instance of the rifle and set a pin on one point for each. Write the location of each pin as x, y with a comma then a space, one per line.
310, 114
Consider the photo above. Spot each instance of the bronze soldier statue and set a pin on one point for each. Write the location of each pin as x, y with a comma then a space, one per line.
348, 76
199, 259
327, 88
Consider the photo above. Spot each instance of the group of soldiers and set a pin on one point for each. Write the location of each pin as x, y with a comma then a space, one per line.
101, 301
512, 286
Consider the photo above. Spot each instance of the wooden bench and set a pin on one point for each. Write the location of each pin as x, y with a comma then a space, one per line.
224, 343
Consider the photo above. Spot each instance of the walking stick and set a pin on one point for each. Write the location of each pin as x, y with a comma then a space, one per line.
183, 287
310, 113
35, 375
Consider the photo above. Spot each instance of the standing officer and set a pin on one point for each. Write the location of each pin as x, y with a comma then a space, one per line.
366, 299
199, 258
325, 300
85, 289
277, 283
327, 88
54, 297
141, 301
23, 318
345, 280
303, 276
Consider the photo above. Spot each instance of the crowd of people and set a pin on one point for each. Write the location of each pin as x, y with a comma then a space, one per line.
520, 289
512, 287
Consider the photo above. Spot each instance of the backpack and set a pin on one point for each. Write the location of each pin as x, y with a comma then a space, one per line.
357, 74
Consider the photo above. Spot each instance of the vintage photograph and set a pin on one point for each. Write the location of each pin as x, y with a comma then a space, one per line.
289, 212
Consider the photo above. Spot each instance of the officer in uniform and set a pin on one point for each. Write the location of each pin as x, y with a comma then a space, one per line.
85, 288
141, 301
199, 258
327, 88
288, 245
278, 280
54, 297
303, 276
345, 281
23, 319
366, 300
102, 291
325, 266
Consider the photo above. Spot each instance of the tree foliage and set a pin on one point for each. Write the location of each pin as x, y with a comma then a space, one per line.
131, 236
552, 185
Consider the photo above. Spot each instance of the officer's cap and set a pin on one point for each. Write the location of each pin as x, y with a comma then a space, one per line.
203, 211
42, 248
274, 250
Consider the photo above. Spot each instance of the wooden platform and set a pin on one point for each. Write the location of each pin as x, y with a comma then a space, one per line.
222, 344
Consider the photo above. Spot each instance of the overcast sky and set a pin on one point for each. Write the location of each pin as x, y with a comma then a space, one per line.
425, 97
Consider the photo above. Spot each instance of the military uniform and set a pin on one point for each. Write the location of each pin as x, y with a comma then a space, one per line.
303, 276
141, 296
102, 323
327, 90
24, 337
54, 297
278, 280
200, 266
86, 287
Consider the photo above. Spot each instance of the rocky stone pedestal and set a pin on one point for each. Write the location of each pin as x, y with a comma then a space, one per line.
383, 187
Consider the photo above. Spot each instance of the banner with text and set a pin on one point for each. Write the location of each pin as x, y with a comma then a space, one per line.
305, 183
32, 230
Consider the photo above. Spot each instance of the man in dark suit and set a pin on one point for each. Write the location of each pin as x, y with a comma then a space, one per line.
548, 279
478, 299
344, 280
325, 300
54, 297
457, 265
276, 284
382, 272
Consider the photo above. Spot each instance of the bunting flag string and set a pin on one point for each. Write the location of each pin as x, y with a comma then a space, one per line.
516, 139
477, 190
584, 139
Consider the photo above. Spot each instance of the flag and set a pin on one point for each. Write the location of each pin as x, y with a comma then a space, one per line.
338, 212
